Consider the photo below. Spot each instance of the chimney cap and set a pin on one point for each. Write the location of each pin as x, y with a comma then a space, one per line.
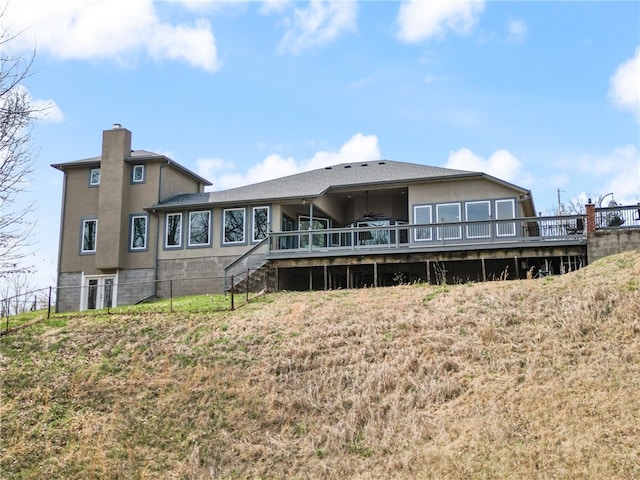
116, 126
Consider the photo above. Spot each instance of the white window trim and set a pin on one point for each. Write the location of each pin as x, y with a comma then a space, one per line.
166, 231
224, 226
512, 232
459, 228
191, 214
146, 228
253, 221
133, 174
428, 230
95, 242
91, 182
466, 213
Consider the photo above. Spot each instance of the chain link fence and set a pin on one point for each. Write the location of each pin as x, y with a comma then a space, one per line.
103, 295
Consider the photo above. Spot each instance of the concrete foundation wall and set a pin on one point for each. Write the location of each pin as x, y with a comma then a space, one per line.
191, 276
134, 285
609, 242
68, 294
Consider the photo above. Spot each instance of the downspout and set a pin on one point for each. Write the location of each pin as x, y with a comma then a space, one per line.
157, 249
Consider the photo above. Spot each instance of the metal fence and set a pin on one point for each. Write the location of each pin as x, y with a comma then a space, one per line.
618, 216
200, 295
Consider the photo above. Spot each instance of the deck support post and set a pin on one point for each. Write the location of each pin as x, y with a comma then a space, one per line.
326, 279
277, 280
515, 260
310, 278
484, 270
428, 273
348, 276
375, 274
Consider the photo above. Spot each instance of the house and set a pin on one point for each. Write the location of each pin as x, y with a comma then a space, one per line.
136, 224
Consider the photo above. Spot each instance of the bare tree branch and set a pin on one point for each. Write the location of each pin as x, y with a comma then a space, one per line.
17, 115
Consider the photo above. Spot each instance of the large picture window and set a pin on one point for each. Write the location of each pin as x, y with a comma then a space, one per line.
89, 236
199, 228
449, 213
138, 232
260, 223
505, 209
422, 216
478, 212
173, 230
233, 219
318, 240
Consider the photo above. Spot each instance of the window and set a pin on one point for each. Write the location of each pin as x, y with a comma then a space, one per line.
478, 212
89, 235
505, 209
260, 223
94, 177
199, 228
449, 213
233, 219
173, 225
374, 237
318, 240
422, 216
138, 232
137, 174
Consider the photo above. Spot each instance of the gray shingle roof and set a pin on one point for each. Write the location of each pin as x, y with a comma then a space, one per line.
316, 182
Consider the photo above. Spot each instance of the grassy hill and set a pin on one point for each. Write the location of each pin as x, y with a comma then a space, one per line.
522, 379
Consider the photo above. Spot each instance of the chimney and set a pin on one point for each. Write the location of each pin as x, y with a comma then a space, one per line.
112, 220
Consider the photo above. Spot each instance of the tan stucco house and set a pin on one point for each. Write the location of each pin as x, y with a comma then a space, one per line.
132, 220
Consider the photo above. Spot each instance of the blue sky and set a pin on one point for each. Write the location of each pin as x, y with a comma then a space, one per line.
542, 94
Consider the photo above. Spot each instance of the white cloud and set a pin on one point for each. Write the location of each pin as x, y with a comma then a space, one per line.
358, 148
624, 85
317, 24
80, 29
274, 6
501, 164
517, 31
419, 20
617, 172
42, 110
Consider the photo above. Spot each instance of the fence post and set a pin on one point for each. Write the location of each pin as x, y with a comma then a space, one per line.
49, 305
232, 293
247, 299
171, 295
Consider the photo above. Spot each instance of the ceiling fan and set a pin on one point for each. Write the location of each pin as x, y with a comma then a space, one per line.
368, 216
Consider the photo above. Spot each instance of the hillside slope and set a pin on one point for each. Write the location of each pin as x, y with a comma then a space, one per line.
521, 379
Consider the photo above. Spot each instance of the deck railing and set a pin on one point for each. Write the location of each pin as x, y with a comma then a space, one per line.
570, 228
249, 262
619, 216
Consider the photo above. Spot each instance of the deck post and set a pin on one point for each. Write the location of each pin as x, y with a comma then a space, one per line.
326, 280
310, 278
515, 260
428, 273
484, 270
375, 274
348, 276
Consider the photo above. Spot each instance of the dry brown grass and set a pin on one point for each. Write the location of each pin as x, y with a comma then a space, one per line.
527, 379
